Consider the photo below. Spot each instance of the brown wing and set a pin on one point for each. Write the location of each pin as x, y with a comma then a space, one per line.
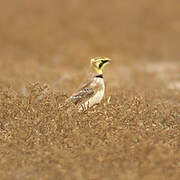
82, 94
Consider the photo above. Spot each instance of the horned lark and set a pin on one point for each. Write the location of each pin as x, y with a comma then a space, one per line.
92, 91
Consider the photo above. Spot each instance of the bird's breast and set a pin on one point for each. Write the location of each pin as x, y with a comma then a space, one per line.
98, 83
99, 93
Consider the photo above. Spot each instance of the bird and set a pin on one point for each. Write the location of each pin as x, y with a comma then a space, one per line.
91, 91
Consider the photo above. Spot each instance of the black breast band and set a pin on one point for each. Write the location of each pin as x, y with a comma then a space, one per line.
99, 76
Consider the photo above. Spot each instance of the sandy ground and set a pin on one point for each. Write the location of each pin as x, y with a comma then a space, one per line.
45, 51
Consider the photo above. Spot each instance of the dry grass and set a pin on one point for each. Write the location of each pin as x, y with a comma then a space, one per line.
133, 134
131, 137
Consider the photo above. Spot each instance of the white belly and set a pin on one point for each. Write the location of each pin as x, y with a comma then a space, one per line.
95, 99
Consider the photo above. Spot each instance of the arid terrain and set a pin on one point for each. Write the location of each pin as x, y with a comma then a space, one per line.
45, 50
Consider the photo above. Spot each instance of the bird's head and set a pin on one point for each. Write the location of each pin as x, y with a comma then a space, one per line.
98, 64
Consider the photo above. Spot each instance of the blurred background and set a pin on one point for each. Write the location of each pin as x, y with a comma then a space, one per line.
134, 133
42, 40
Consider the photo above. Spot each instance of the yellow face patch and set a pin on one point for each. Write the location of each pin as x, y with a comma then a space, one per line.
99, 63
